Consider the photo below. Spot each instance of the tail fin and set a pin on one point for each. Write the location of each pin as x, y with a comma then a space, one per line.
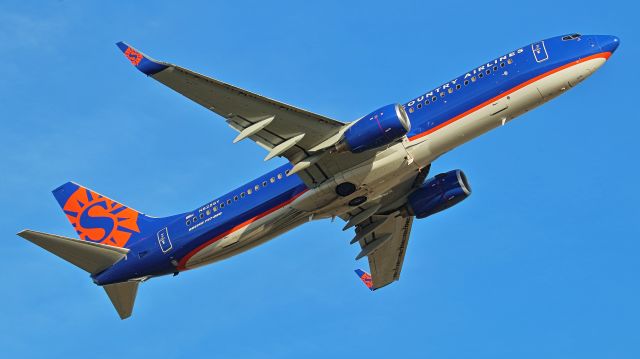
99, 219
365, 278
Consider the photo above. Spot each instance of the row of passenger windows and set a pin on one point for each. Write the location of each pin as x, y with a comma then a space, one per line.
236, 198
459, 86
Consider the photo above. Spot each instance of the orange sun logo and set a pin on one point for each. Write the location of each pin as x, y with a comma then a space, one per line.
366, 278
99, 219
134, 56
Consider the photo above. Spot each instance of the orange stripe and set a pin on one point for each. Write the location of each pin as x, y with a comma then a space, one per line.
183, 261
604, 55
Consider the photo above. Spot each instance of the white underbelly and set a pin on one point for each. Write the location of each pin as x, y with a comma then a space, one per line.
247, 235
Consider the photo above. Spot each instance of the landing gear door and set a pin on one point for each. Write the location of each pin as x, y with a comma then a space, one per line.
539, 51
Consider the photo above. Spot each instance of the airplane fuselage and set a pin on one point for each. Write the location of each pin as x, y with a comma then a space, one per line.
486, 97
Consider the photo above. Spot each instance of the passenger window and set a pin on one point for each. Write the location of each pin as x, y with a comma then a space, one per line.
426, 102
502, 64
235, 198
242, 195
442, 94
488, 72
480, 75
279, 175
264, 183
433, 99
458, 87
208, 212
195, 219
450, 90
419, 105
257, 187
222, 205
473, 79
410, 109
215, 209
466, 82
228, 202
249, 191
188, 222
286, 172
509, 61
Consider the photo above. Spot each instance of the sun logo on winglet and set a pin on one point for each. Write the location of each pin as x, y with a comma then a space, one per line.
366, 279
99, 219
134, 56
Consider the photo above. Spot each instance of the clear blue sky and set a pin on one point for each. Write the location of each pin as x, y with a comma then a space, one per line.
540, 262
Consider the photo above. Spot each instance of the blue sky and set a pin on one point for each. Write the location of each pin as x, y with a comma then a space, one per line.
541, 261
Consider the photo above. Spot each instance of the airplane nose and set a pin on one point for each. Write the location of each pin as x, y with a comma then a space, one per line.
608, 43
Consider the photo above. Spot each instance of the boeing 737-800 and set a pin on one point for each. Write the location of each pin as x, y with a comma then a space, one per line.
372, 172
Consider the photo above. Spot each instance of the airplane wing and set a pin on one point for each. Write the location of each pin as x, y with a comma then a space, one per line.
282, 129
384, 239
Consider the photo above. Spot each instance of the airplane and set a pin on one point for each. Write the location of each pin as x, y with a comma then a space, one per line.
372, 172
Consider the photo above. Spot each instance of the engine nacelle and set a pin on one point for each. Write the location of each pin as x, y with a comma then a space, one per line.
439, 193
379, 128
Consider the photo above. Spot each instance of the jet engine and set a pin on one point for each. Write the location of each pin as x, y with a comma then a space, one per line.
379, 128
439, 193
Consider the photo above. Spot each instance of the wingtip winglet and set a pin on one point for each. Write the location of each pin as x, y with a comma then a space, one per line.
365, 278
142, 62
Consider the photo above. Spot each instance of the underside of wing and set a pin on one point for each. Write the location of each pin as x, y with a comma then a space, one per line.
382, 230
384, 240
281, 129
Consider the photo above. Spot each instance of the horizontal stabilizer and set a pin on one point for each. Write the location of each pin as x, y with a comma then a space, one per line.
92, 257
122, 296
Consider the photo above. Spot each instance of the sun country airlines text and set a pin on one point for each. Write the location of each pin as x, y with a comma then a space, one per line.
465, 76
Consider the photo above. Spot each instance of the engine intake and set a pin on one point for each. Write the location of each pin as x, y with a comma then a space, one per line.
379, 128
439, 193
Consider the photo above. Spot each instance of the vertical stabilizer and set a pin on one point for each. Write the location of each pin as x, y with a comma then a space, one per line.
99, 219
123, 296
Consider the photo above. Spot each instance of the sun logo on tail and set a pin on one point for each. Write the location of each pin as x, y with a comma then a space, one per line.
99, 219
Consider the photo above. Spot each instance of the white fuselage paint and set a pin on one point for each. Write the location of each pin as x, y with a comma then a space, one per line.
394, 165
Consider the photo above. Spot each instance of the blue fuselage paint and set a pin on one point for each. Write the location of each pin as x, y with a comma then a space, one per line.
191, 231
493, 78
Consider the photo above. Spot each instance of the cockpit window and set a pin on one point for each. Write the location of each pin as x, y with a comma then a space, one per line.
571, 37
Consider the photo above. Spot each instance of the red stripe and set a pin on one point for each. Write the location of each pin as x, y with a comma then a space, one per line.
183, 261
604, 55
